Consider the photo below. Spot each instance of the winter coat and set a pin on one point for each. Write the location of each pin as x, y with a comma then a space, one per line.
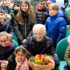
7, 27
5, 52
40, 15
8, 11
56, 27
43, 47
5, 9
23, 30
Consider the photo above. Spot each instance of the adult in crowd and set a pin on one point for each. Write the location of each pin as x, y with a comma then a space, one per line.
40, 44
24, 21
6, 49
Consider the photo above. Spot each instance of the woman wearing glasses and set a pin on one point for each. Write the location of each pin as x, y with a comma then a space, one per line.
6, 49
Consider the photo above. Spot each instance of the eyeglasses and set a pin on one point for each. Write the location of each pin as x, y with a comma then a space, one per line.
3, 41
38, 33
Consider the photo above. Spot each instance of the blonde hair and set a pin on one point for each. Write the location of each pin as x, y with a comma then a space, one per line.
30, 13
54, 6
4, 33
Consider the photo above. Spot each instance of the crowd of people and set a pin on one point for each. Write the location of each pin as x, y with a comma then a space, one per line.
38, 31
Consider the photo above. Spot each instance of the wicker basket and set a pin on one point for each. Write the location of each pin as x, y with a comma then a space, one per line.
35, 66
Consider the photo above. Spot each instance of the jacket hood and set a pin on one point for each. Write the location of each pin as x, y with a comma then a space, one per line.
59, 14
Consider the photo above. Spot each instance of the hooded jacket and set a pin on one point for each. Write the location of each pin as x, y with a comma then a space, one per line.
56, 27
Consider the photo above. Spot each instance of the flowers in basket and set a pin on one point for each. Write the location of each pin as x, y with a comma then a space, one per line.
43, 62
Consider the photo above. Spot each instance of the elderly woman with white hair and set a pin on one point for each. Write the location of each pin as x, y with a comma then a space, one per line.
39, 43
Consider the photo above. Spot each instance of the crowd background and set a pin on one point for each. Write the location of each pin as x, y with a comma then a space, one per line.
38, 25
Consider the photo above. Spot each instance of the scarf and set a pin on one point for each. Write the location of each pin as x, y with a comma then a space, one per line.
23, 65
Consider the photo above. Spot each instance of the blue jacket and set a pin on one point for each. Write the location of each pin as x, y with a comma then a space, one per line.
7, 27
56, 27
5, 9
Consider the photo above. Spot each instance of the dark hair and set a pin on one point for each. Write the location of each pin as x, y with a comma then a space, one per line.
20, 48
17, 3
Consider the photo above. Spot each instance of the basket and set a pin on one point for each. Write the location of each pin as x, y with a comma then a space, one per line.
35, 66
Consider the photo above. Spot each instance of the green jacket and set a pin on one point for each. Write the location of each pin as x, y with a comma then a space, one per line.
67, 56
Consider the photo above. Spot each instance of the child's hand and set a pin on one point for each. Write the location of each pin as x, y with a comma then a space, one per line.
18, 65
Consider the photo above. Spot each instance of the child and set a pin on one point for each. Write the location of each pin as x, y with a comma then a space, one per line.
5, 24
24, 21
5, 6
18, 61
6, 49
55, 24
16, 7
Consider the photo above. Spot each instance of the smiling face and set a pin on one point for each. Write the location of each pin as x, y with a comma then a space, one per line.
16, 7
6, 2
52, 12
53, 9
3, 41
20, 56
24, 7
39, 34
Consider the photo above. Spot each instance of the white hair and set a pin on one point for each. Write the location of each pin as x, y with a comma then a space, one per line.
40, 26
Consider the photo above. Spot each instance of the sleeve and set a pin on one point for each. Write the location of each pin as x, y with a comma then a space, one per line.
17, 31
67, 56
11, 63
46, 26
62, 30
27, 45
11, 29
50, 47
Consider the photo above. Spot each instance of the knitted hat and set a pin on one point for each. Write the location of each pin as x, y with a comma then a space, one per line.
17, 3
